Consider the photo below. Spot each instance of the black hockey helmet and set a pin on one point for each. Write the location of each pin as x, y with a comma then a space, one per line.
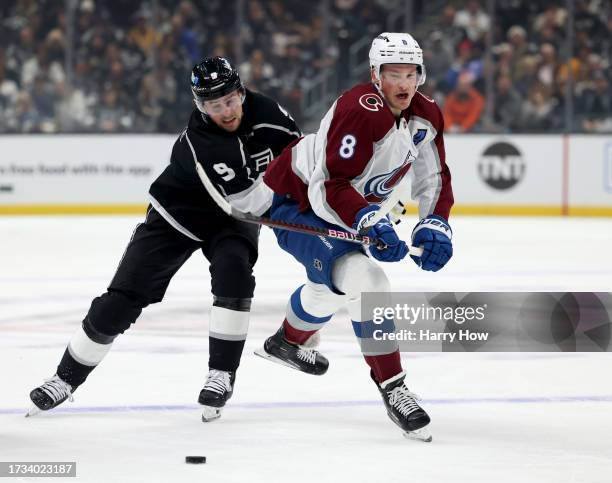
212, 78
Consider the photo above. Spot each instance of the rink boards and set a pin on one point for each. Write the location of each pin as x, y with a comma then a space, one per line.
492, 175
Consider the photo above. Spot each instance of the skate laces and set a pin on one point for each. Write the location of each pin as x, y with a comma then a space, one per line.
218, 381
307, 355
57, 389
403, 400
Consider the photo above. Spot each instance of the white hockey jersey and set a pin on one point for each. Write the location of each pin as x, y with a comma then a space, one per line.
360, 154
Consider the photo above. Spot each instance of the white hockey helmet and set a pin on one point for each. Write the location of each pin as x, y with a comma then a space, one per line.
396, 48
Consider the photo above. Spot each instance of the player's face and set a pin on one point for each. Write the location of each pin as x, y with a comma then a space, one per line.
398, 83
226, 112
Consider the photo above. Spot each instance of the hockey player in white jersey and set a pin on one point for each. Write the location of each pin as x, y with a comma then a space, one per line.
338, 177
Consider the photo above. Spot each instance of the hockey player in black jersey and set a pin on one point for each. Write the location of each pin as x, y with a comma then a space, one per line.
233, 133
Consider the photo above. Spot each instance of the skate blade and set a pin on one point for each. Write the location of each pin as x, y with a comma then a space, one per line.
264, 355
422, 434
210, 413
34, 410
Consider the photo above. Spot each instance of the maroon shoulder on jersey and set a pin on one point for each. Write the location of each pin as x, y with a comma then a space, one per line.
426, 108
360, 120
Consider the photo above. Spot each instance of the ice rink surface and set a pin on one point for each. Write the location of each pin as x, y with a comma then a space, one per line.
496, 417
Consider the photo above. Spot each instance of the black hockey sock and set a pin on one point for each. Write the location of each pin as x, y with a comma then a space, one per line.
229, 325
71, 371
224, 354
85, 351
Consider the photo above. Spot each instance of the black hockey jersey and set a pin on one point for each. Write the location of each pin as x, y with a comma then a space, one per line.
234, 162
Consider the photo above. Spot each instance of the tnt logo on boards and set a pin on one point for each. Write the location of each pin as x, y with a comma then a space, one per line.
501, 166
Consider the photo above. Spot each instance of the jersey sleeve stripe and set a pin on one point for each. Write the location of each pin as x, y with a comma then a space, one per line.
256, 200
337, 219
297, 134
242, 152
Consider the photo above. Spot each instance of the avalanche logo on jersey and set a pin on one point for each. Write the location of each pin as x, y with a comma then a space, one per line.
378, 188
371, 102
419, 136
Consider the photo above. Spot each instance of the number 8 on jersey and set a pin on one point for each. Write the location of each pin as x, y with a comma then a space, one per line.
347, 147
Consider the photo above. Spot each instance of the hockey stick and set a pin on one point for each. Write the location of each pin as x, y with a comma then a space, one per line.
309, 230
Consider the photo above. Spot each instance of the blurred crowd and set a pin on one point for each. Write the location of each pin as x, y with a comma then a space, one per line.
129, 66
530, 67
131, 60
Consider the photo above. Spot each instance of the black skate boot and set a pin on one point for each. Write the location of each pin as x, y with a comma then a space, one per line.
279, 350
217, 390
50, 395
403, 409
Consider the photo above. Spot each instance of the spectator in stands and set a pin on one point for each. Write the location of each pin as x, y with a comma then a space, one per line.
537, 109
548, 66
474, 21
517, 38
507, 111
504, 56
257, 31
143, 34
112, 117
513, 12
166, 86
586, 20
595, 103
452, 35
41, 65
20, 52
526, 74
550, 25
185, 37
27, 119
257, 72
8, 95
438, 55
43, 95
464, 62
147, 108
463, 106
73, 110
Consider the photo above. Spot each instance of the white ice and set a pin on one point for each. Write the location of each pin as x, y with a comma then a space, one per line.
500, 417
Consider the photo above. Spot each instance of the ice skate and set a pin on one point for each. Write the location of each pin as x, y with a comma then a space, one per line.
217, 390
50, 395
403, 409
278, 349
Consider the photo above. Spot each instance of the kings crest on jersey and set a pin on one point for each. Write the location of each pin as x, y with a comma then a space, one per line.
234, 161
361, 153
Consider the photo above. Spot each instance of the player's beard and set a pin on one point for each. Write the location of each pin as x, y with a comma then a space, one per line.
233, 125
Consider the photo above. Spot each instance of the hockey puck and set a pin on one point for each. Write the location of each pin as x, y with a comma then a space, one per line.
195, 460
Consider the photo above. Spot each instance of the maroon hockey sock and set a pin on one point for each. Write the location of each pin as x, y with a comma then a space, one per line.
296, 336
385, 366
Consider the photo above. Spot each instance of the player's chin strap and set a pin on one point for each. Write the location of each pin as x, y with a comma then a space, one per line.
309, 230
